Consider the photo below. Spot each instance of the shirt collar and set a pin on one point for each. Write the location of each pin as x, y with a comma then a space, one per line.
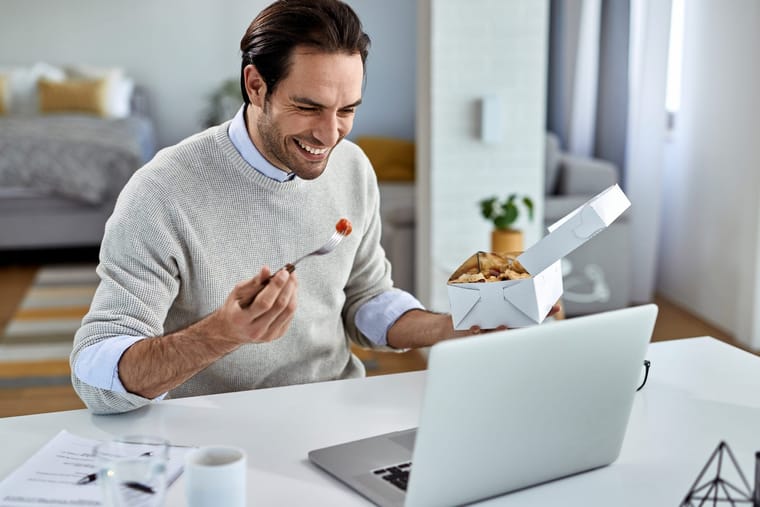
243, 144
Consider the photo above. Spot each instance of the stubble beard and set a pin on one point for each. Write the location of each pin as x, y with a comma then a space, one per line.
275, 149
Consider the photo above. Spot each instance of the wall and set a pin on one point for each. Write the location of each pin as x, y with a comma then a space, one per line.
469, 50
711, 210
180, 50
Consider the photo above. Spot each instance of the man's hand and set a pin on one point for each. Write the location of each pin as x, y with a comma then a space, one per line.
154, 366
555, 309
421, 328
258, 310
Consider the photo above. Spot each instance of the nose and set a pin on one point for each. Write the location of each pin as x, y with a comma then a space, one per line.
331, 128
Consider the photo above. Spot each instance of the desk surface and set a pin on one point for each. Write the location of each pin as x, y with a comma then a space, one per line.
700, 391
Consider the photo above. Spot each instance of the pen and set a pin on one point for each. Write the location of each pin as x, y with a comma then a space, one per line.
139, 487
87, 479
130, 484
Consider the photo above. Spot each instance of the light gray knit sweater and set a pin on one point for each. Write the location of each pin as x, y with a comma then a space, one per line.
198, 219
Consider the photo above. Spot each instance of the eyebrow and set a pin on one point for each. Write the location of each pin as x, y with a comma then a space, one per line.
305, 100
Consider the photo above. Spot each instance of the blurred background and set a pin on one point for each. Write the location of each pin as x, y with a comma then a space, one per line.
551, 99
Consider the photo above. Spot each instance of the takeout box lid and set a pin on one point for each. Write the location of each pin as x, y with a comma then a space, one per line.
575, 228
527, 301
514, 303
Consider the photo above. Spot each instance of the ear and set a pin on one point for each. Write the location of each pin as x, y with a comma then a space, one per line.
255, 86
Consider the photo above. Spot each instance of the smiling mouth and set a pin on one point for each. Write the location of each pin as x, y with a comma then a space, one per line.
311, 149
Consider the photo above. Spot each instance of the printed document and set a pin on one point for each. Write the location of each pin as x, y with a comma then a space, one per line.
50, 476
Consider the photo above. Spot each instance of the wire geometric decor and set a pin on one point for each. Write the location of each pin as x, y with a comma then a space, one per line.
717, 489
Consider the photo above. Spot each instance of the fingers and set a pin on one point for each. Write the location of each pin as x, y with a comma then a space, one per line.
269, 315
473, 330
260, 309
246, 292
281, 323
274, 297
476, 330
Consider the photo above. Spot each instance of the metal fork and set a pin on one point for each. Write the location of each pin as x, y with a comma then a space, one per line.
328, 247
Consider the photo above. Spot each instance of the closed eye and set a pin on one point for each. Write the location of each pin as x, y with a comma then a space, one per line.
307, 105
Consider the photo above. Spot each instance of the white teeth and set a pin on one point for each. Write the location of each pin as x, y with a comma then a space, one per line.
313, 151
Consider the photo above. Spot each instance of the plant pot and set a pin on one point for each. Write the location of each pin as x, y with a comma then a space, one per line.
506, 240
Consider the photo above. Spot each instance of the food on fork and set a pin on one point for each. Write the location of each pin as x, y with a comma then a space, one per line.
344, 226
490, 267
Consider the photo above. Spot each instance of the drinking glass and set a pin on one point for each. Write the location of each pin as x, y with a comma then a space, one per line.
132, 471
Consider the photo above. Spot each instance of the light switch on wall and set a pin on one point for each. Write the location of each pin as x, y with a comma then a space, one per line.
490, 119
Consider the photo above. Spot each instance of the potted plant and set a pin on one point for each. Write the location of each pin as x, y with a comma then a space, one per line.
223, 103
504, 214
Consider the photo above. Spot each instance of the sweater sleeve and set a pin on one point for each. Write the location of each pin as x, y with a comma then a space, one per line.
371, 271
138, 283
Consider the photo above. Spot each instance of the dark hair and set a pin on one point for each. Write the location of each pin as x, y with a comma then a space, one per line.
327, 25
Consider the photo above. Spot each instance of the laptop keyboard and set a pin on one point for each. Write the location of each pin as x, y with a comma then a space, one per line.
398, 475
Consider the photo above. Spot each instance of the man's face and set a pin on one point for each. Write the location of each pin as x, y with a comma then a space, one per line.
310, 111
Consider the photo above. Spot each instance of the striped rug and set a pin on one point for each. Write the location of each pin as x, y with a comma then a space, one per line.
43, 327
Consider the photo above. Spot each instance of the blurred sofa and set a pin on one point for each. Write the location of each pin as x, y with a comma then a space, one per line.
70, 138
597, 275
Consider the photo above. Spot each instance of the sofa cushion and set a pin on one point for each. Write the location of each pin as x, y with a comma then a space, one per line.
584, 176
119, 88
392, 159
559, 206
21, 97
73, 95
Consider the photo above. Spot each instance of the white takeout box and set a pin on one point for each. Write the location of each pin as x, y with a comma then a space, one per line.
526, 302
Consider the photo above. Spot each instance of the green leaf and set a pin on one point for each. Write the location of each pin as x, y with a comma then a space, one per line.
487, 207
528, 202
505, 213
507, 217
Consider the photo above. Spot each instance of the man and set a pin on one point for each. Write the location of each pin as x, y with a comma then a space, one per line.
170, 316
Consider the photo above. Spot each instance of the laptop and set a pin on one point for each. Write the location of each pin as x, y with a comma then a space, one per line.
507, 410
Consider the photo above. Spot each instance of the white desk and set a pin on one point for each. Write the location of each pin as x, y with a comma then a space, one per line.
700, 391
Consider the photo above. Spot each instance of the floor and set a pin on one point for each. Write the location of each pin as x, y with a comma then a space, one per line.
673, 322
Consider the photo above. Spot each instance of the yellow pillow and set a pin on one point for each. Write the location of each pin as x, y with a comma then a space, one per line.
73, 95
392, 159
3, 93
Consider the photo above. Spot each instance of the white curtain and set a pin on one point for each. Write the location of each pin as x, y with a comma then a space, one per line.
608, 101
588, 71
648, 62
581, 128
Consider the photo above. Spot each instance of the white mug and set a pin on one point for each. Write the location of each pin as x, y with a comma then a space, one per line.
215, 476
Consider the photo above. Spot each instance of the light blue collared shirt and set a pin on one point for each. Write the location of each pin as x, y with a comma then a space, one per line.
243, 144
98, 364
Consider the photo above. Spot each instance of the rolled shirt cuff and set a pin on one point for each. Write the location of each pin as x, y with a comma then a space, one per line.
377, 315
98, 364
